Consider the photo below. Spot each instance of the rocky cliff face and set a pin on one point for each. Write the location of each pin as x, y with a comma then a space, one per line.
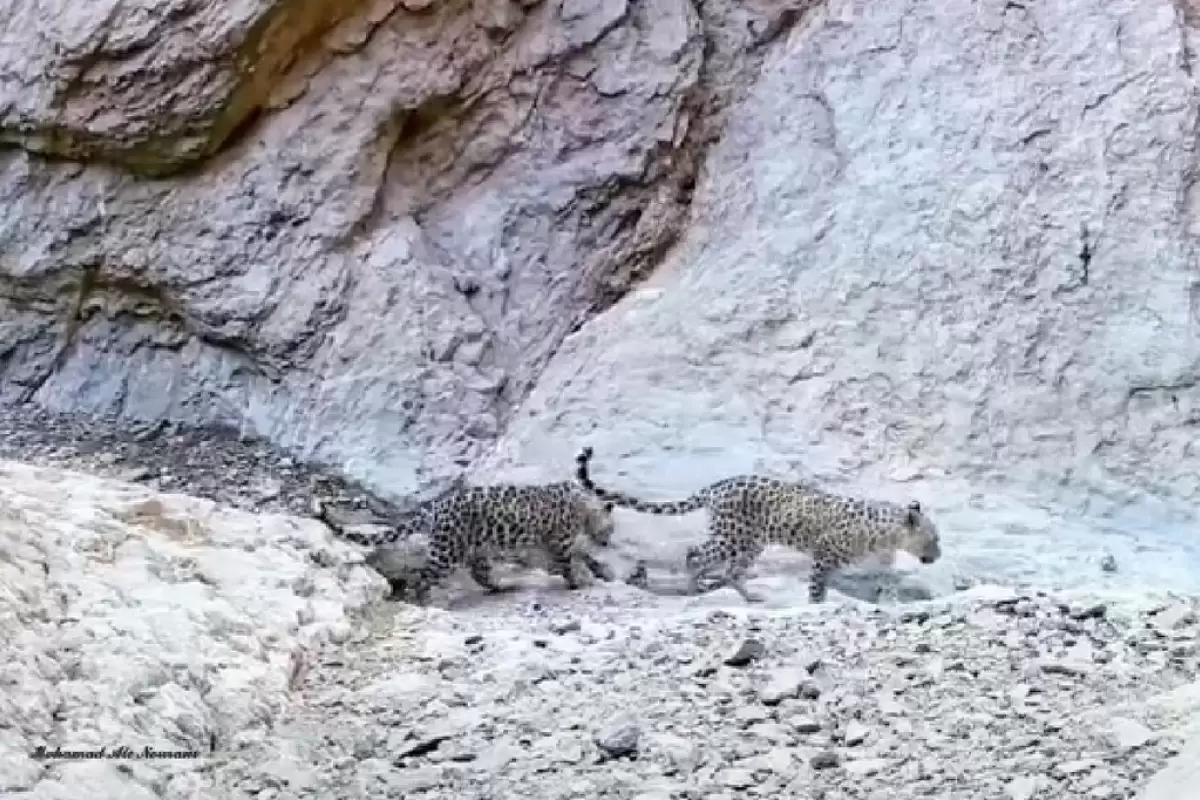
362, 239
946, 245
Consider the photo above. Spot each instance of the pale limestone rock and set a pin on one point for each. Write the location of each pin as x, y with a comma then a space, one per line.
887, 278
376, 267
153, 620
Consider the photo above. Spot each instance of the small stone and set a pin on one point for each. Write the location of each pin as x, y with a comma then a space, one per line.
770, 732
810, 690
890, 706
639, 576
415, 780
1128, 734
1173, 617
750, 651
570, 752
748, 715
619, 739
423, 745
805, 725
783, 685
1072, 667
736, 778
1077, 767
1093, 611
825, 759
134, 475
777, 761
564, 626
856, 733
809, 662
269, 489
862, 767
1108, 563
682, 754
1022, 788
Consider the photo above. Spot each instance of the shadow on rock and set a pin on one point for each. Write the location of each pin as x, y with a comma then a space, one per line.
869, 586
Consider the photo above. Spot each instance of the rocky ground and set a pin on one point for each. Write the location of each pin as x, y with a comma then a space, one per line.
212, 463
1000, 696
613, 692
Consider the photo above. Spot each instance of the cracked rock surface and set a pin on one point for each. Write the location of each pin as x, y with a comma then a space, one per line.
401, 209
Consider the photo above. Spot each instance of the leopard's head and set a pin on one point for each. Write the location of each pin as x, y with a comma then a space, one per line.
919, 535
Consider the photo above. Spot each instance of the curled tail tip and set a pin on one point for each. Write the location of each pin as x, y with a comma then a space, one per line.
366, 540
581, 467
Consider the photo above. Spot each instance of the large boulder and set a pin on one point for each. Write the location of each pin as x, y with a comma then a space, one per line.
135, 620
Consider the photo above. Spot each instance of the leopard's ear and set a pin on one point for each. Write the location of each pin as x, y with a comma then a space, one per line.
914, 513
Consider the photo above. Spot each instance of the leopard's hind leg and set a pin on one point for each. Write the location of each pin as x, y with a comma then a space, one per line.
702, 561
739, 568
445, 553
824, 565
567, 560
596, 567
480, 567
733, 544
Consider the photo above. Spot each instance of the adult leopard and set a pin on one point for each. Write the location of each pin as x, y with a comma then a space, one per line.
749, 512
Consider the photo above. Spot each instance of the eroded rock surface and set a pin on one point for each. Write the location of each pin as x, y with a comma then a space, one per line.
377, 266
135, 619
146, 85
943, 252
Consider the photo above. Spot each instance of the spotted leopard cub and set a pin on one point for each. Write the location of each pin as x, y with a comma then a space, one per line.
749, 512
473, 526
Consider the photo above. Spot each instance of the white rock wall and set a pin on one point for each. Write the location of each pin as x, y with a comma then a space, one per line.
886, 282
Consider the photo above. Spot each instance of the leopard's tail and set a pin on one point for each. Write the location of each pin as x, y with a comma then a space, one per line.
694, 503
378, 539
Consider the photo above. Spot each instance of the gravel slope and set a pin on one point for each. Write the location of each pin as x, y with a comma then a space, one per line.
975, 697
